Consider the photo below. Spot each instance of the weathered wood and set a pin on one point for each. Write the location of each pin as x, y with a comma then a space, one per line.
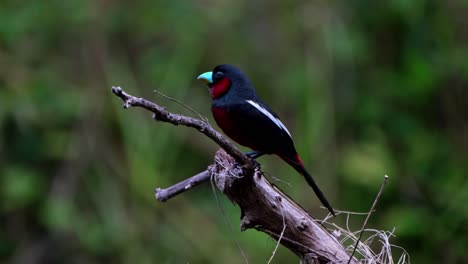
267, 209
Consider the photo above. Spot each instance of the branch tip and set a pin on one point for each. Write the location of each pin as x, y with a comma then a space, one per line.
117, 90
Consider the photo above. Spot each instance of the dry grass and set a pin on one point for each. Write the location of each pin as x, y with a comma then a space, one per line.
375, 249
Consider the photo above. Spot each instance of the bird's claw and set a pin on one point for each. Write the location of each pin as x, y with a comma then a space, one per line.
256, 164
254, 154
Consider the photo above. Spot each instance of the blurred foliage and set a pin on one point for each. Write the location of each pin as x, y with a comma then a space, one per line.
368, 88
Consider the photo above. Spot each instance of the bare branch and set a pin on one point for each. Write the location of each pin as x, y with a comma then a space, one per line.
161, 114
163, 195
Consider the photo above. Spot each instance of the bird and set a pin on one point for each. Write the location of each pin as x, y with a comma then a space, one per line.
246, 119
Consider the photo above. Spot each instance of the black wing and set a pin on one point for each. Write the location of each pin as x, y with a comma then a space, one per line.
259, 123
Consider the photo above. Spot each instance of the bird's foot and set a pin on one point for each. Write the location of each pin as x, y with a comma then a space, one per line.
256, 164
254, 154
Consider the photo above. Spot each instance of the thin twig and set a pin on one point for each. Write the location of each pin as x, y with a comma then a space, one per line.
276, 179
281, 235
183, 105
226, 220
368, 216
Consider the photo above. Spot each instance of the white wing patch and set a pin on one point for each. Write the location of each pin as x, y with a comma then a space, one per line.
269, 115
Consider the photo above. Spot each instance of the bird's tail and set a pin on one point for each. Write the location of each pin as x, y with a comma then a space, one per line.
298, 165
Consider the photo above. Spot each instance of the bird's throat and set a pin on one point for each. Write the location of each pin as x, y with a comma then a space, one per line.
219, 88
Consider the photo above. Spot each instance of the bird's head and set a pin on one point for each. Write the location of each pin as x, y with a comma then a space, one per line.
224, 78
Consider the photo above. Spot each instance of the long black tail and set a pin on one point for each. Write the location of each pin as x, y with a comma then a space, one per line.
297, 164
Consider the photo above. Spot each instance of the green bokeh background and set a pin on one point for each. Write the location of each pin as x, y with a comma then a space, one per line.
367, 88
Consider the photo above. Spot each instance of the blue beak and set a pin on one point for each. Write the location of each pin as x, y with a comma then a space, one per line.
206, 77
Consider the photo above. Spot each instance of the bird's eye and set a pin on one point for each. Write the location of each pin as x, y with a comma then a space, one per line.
218, 75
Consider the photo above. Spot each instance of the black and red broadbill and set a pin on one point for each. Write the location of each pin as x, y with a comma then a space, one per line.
246, 119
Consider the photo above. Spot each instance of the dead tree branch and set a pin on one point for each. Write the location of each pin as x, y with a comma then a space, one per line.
263, 206
165, 194
161, 114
